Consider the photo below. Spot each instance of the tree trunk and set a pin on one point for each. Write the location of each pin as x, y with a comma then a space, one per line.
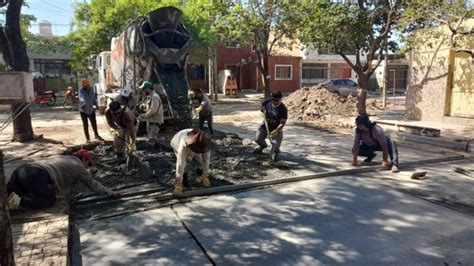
266, 77
5, 49
363, 81
6, 244
23, 130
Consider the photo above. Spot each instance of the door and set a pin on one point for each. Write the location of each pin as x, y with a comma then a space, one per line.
462, 92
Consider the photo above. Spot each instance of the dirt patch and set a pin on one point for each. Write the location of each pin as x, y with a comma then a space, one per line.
313, 104
232, 162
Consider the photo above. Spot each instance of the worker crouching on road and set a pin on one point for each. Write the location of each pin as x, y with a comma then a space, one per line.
191, 145
204, 110
87, 101
122, 120
40, 185
276, 114
154, 112
368, 138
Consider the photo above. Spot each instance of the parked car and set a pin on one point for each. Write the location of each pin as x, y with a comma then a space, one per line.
340, 87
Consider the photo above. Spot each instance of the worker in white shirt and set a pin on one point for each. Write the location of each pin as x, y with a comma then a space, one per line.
191, 145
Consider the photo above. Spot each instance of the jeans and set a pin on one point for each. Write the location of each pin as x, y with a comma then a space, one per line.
262, 136
369, 151
203, 118
34, 186
85, 125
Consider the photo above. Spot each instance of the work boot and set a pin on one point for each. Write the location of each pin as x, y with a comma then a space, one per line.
205, 181
258, 150
186, 180
370, 158
178, 190
395, 169
275, 156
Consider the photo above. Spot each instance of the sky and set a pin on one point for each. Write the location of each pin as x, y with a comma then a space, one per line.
58, 12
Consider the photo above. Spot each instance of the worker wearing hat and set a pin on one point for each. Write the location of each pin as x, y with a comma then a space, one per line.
276, 114
122, 120
154, 112
42, 184
126, 98
87, 101
204, 109
191, 145
370, 137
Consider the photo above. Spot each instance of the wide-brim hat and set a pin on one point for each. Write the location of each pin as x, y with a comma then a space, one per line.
198, 141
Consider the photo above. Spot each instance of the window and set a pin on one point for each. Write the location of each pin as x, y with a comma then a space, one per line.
283, 72
315, 71
197, 72
351, 83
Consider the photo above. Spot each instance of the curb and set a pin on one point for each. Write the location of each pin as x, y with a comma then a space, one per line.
462, 146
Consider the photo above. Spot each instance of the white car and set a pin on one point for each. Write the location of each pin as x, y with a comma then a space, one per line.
340, 87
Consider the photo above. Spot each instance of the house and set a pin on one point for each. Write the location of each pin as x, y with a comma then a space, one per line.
397, 74
441, 78
320, 66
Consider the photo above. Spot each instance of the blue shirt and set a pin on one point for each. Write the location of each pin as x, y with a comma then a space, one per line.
87, 100
274, 115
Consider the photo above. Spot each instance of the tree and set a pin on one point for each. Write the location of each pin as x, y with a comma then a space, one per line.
14, 54
359, 27
426, 14
260, 24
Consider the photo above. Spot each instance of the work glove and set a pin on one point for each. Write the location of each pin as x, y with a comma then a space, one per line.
198, 110
14, 201
205, 180
274, 133
191, 94
132, 148
178, 190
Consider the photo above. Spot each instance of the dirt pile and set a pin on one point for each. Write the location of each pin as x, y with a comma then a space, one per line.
311, 103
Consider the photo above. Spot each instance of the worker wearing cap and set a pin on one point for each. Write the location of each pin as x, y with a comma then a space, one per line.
122, 120
370, 137
42, 184
154, 112
87, 101
204, 109
191, 145
126, 98
276, 114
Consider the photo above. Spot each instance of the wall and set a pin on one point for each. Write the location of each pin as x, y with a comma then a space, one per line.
428, 81
233, 56
336, 70
284, 85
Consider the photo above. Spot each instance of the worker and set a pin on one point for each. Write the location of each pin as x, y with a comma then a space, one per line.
370, 137
126, 98
122, 120
42, 184
70, 96
191, 145
275, 113
204, 109
87, 101
154, 112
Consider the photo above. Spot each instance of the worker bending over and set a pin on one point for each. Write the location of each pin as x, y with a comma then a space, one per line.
191, 145
370, 137
122, 120
40, 185
204, 110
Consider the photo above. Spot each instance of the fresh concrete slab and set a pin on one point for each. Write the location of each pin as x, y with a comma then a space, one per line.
149, 238
341, 220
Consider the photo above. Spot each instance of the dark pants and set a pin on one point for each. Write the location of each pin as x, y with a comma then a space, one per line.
202, 118
91, 117
34, 186
369, 151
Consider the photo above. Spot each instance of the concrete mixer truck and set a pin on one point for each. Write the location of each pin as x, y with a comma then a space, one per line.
151, 48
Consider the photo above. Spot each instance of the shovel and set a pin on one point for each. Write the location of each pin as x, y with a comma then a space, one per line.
269, 136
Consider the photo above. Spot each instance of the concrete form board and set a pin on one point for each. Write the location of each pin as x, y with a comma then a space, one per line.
16, 86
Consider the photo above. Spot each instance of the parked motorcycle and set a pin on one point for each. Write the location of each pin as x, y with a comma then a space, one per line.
45, 98
71, 96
